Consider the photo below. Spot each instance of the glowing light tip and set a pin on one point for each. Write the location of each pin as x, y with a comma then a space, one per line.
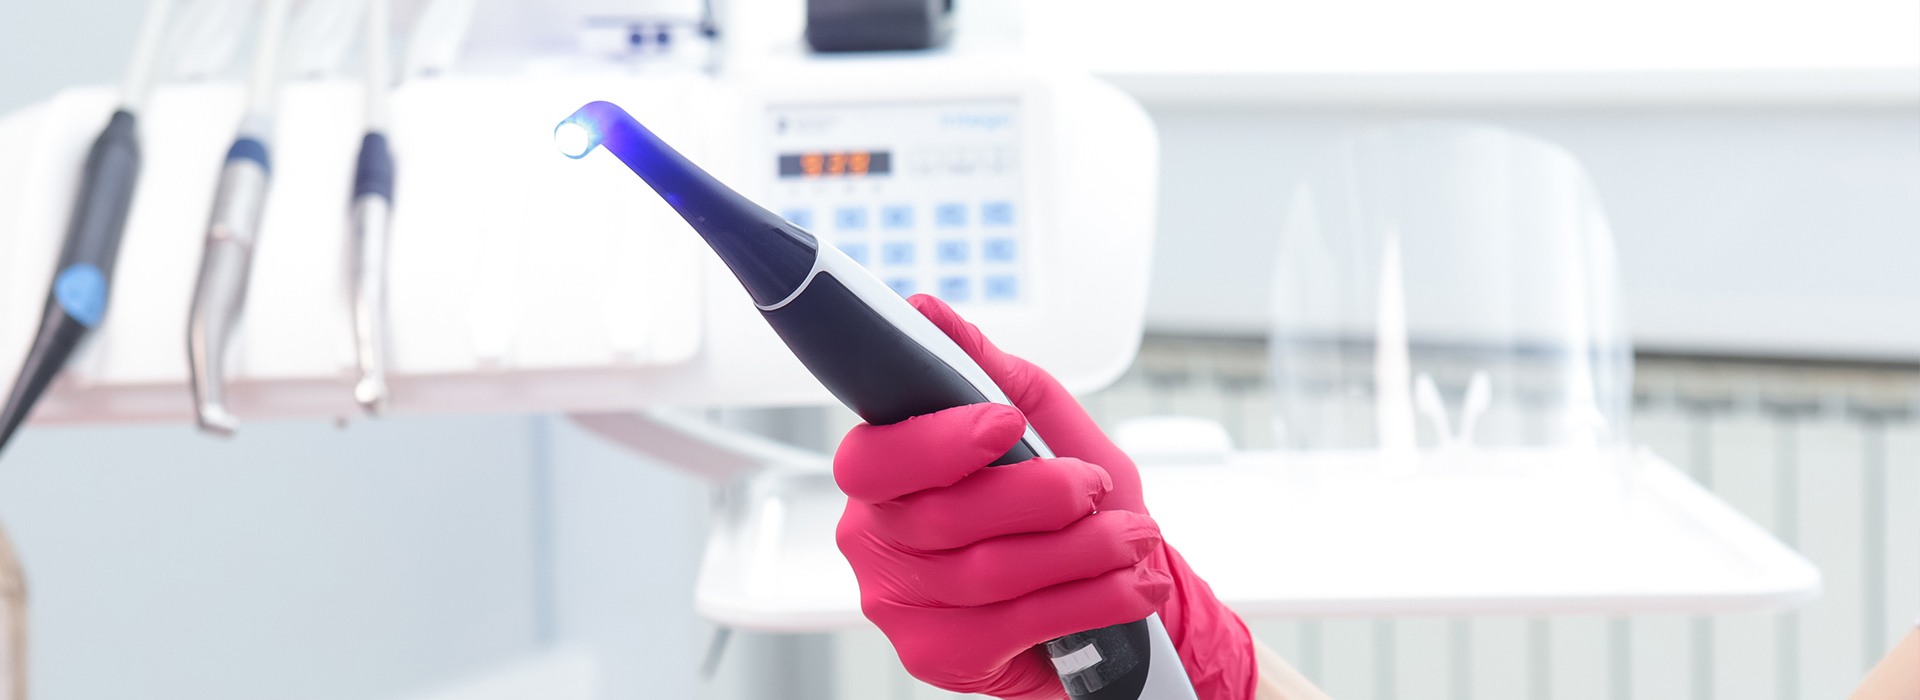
573, 139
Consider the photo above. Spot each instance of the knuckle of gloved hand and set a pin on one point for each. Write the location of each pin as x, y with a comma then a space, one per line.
921, 523
942, 663
854, 531
853, 469
1128, 536
970, 577
1124, 595
1073, 488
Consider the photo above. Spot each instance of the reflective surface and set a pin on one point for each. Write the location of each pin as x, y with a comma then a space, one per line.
1447, 285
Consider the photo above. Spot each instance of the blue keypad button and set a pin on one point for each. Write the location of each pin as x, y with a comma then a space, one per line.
997, 250
850, 218
896, 217
996, 214
1000, 287
897, 253
955, 289
901, 285
856, 251
950, 215
802, 218
951, 252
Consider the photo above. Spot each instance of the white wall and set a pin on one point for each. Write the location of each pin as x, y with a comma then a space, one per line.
382, 559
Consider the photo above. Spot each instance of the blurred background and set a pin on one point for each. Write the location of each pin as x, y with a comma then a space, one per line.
1759, 165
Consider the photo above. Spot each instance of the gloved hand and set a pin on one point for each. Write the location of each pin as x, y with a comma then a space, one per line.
966, 569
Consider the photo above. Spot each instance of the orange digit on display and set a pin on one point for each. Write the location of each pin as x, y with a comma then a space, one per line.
858, 162
837, 164
810, 164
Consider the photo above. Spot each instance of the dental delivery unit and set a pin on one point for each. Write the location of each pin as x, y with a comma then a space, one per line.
872, 350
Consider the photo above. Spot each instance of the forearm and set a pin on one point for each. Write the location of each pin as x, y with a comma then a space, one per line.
1279, 681
1897, 677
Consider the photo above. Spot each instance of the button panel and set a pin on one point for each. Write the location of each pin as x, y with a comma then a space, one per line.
927, 196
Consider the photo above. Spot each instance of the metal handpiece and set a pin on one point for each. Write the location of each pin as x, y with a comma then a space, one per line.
372, 209
372, 206
222, 287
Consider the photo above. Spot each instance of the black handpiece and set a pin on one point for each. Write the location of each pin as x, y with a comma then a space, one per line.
78, 299
872, 350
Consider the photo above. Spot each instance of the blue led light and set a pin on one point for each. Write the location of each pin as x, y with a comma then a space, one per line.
574, 138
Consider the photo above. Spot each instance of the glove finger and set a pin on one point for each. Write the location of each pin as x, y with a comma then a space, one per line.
1039, 495
882, 462
1004, 568
1054, 413
990, 636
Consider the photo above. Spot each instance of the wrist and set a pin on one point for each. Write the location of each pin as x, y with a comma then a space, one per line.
1215, 646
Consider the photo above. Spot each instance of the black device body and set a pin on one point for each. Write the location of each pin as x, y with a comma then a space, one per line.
77, 300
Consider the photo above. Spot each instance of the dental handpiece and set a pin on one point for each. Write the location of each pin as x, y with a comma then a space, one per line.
227, 260
370, 217
872, 350
77, 301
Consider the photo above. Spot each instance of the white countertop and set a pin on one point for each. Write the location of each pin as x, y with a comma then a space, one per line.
1293, 535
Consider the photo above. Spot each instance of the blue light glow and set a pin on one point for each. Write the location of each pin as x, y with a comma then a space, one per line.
574, 139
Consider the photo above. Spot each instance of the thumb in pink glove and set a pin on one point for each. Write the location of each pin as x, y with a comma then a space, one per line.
967, 569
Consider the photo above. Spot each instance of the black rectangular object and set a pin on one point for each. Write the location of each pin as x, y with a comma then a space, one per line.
878, 25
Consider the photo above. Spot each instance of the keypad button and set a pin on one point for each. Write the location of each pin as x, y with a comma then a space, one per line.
896, 217
955, 289
950, 215
997, 250
856, 251
802, 218
951, 252
902, 286
850, 218
1000, 287
897, 253
996, 214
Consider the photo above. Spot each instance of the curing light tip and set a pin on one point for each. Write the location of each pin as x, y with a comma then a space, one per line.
573, 139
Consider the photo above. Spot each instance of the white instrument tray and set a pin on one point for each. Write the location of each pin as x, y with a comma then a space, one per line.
1342, 534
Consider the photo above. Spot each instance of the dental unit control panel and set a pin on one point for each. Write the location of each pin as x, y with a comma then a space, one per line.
1022, 195
927, 196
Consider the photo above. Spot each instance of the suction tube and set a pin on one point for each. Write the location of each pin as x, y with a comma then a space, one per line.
872, 350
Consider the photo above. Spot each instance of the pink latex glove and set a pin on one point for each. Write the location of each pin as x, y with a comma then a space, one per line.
968, 569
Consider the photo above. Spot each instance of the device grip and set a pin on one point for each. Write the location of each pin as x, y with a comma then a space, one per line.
106, 195
876, 369
868, 363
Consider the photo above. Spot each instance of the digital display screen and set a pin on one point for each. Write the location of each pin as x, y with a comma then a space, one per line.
836, 164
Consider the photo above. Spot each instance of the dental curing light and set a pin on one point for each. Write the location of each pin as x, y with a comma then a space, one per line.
78, 300
872, 350
371, 219
239, 200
